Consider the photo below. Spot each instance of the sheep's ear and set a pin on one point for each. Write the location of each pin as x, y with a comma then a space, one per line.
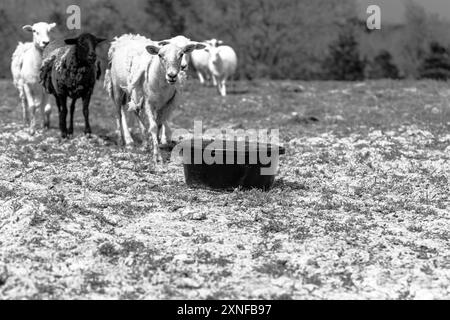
28, 28
153, 50
71, 41
220, 42
199, 46
193, 46
51, 26
99, 40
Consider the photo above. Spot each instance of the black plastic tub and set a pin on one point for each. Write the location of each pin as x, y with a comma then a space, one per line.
226, 165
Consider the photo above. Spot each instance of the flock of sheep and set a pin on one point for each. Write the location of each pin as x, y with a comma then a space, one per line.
143, 76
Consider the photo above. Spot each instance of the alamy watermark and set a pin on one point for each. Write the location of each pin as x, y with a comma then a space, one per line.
373, 22
73, 21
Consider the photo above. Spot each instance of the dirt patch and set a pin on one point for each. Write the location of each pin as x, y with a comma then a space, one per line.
360, 208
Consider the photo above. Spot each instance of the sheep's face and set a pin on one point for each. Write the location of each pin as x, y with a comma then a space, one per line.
214, 42
86, 44
214, 56
41, 33
172, 56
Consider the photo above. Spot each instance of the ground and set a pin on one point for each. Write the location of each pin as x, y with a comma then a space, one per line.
359, 210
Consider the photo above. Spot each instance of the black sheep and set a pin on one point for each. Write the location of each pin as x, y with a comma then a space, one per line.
70, 69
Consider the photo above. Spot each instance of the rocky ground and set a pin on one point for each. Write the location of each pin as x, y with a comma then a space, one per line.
360, 208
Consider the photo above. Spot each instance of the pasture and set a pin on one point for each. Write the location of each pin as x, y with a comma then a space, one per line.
359, 210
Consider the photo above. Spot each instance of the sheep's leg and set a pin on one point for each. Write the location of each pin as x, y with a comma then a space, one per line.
141, 126
200, 77
118, 127
158, 133
118, 116
155, 131
165, 116
32, 105
223, 90
214, 80
121, 120
23, 102
58, 104
145, 136
72, 110
126, 131
87, 126
167, 133
45, 110
122, 126
219, 87
119, 130
26, 118
62, 104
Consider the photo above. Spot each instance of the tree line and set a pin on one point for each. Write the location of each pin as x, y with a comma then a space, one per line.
283, 39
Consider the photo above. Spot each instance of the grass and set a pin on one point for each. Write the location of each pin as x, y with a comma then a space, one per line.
360, 208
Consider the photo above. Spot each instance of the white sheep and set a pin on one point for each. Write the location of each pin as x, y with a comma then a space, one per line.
145, 74
222, 65
25, 68
200, 62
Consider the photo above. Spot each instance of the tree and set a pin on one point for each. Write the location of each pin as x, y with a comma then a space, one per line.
415, 39
275, 39
283, 39
382, 67
436, 64
8, 42
344, 61
169, 17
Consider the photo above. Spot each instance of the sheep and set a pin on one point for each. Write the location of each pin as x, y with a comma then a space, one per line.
25, 66
147, 74
200, 62
134, 45
222, 65
70, 69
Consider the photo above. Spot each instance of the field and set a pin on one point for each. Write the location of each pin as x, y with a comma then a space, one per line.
359, 210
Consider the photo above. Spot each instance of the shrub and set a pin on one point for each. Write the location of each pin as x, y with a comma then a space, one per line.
344, 61
382, 67
436, 64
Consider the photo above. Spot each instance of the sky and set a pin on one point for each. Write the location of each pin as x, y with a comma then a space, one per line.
393, 10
